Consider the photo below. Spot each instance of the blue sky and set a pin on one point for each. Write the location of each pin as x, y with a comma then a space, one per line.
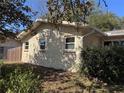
115, 6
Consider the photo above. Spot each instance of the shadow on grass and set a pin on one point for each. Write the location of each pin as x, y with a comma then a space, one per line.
45, 73
49, 74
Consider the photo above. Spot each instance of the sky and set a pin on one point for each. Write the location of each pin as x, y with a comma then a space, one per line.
114, 6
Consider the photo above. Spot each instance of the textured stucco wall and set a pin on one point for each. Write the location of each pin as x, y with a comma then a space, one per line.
55, 55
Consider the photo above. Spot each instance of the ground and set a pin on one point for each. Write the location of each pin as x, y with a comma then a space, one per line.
58, 81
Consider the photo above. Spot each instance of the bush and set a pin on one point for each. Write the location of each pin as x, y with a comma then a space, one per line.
19, 81
106, 64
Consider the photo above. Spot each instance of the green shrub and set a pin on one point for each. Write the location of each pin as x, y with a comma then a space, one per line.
106, 64
19, 81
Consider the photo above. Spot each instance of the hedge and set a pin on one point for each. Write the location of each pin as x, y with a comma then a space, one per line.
106, 64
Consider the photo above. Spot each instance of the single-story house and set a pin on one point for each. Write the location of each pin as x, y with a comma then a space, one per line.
57, 45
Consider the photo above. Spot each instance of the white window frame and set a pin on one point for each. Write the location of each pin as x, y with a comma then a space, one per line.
69, 50
45, 43
26, 45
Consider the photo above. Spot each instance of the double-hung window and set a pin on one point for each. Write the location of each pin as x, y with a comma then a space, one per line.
42, 44
69, 43
26, 45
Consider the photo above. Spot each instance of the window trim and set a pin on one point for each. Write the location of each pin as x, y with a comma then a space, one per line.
69, 50
25, 45
45, 44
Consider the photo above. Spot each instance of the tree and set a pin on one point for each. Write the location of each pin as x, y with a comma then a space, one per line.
70, 10
122, 22
82, 11
13, 14
105, 21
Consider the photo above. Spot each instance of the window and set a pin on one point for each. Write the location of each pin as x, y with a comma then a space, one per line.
114, 43
107, 43
1, 52
122, 43
42, 43
1, 49
69, 43
26, 45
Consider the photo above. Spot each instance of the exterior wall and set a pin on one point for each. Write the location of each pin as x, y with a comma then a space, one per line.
114, 38
10, 43
12, 50
92, 41
13, 54
55, 55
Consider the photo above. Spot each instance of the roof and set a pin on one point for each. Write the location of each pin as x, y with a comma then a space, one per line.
63, 22
38, 22
115, 33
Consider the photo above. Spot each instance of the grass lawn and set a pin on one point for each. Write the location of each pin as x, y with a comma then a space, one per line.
58, 81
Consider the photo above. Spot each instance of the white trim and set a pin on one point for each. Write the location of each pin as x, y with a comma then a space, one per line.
69, 50
45, 44
115, 33
26, 50
115, 40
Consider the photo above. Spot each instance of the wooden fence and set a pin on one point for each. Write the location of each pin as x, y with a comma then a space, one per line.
13, 54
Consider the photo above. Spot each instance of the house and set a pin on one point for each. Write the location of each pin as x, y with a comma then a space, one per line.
59, 45
114, 38
10, 50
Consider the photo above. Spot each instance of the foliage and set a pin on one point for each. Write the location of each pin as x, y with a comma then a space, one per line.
13, 14
1, 61
105, 21
106, 64
122, 22
70, 10
19, 81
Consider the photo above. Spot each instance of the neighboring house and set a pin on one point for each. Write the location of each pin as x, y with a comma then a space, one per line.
114, 38
59, 46
10, 50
